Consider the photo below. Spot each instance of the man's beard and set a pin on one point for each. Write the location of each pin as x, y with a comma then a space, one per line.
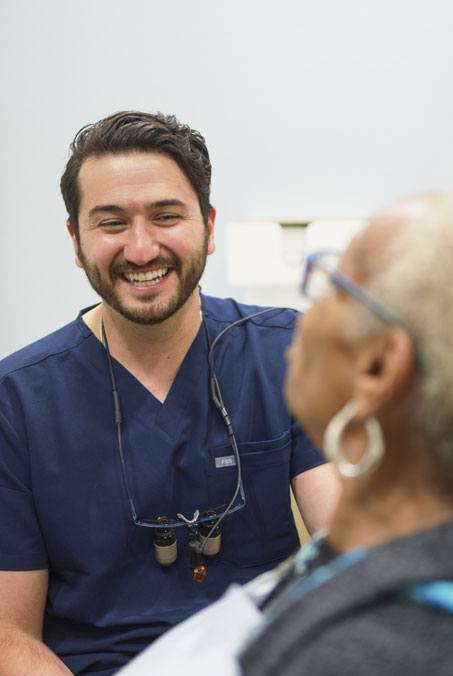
150, 313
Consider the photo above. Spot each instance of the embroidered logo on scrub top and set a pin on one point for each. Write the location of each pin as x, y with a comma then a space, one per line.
225, 461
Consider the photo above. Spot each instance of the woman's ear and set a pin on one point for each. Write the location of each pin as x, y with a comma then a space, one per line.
385, 370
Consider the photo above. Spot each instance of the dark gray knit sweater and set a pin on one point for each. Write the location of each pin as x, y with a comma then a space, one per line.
358, 622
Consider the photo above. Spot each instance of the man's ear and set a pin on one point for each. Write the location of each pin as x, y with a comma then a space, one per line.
210, 226
386, 368
75, 243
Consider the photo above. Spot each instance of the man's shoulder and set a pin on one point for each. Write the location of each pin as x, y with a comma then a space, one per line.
63, 339
229, 310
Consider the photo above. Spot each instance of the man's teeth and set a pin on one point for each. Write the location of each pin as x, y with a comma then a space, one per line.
146, 278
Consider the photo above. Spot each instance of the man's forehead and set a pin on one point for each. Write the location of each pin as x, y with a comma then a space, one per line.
118, 174
122, 161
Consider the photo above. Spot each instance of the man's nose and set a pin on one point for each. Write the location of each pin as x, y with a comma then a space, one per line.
142, 244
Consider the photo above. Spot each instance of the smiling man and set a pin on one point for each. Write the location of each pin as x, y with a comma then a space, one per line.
146, 459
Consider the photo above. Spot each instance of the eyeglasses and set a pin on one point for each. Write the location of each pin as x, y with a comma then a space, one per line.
210, 516
321, 272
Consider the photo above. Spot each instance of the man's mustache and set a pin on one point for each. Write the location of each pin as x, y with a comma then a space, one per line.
118, 269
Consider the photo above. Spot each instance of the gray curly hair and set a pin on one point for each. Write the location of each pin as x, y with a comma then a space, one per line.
413, 277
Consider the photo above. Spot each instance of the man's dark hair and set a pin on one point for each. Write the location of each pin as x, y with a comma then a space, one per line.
130, 131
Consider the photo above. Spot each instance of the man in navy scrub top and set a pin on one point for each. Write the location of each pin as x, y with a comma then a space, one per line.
144, 465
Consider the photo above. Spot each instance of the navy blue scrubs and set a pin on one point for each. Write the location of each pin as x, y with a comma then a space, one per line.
62, 500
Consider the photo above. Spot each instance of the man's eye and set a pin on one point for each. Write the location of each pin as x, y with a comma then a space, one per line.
167, 219
113, 224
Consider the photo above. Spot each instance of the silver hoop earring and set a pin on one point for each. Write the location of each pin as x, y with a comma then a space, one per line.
332, 444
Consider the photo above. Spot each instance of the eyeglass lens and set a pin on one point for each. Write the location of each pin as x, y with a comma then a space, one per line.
318, 281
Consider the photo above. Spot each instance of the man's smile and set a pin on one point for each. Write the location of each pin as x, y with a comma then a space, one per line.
145, 279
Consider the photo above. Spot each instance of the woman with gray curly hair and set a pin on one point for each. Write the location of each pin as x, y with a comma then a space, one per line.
371, 377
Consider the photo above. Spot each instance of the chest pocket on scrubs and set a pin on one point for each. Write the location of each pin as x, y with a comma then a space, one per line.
264, 530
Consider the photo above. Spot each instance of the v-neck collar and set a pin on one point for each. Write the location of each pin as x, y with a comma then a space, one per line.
137, 401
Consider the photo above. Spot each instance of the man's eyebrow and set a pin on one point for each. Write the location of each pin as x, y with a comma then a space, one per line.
103, 208
167, 203
115, 209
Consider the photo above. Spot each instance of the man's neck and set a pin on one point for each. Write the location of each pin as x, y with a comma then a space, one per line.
152, 353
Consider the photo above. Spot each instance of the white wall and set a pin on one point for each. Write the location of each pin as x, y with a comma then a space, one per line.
310, 108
